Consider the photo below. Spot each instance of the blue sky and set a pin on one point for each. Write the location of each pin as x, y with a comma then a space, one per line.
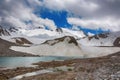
60, 19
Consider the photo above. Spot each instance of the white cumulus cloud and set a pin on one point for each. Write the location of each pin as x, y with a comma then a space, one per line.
94, 14
17, 12
105, 23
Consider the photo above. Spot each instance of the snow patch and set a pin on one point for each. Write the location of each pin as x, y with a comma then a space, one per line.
31, 74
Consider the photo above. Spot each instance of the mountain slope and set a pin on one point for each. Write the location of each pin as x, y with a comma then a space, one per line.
39, 35
62, 42
65, 46
20, 41
5, 51
104, 39
101, 44
62, 39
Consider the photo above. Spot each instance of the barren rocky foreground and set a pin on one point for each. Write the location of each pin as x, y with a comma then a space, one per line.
101, 68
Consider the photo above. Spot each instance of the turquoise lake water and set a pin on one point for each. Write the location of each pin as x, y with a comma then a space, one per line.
12, 62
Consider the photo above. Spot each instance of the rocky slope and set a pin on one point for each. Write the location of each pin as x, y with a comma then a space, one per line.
62, 39
20, 40
5, 51
110, 39
101, 68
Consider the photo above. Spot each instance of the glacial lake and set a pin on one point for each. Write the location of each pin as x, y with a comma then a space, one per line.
13, 62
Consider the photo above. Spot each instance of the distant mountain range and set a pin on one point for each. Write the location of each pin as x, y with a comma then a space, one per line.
59, 42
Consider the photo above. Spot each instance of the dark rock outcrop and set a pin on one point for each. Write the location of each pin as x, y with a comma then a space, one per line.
69, 39
117, 42
59, 30
4, 32
21, 40
98, 36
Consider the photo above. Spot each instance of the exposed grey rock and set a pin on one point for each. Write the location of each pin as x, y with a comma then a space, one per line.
59, 30
104, 68
69, 39
117, 42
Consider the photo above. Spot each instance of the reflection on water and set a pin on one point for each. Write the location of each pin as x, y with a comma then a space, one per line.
12, 62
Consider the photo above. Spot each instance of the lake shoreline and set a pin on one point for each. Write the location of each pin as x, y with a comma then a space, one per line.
80, 68
10, 73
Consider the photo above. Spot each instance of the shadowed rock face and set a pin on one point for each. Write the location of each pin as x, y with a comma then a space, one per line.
103, 35
69, 39
4, 32
7, 31
21, 41
117, 42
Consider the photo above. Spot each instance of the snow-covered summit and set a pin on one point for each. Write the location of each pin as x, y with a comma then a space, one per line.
37, 35
58, 32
